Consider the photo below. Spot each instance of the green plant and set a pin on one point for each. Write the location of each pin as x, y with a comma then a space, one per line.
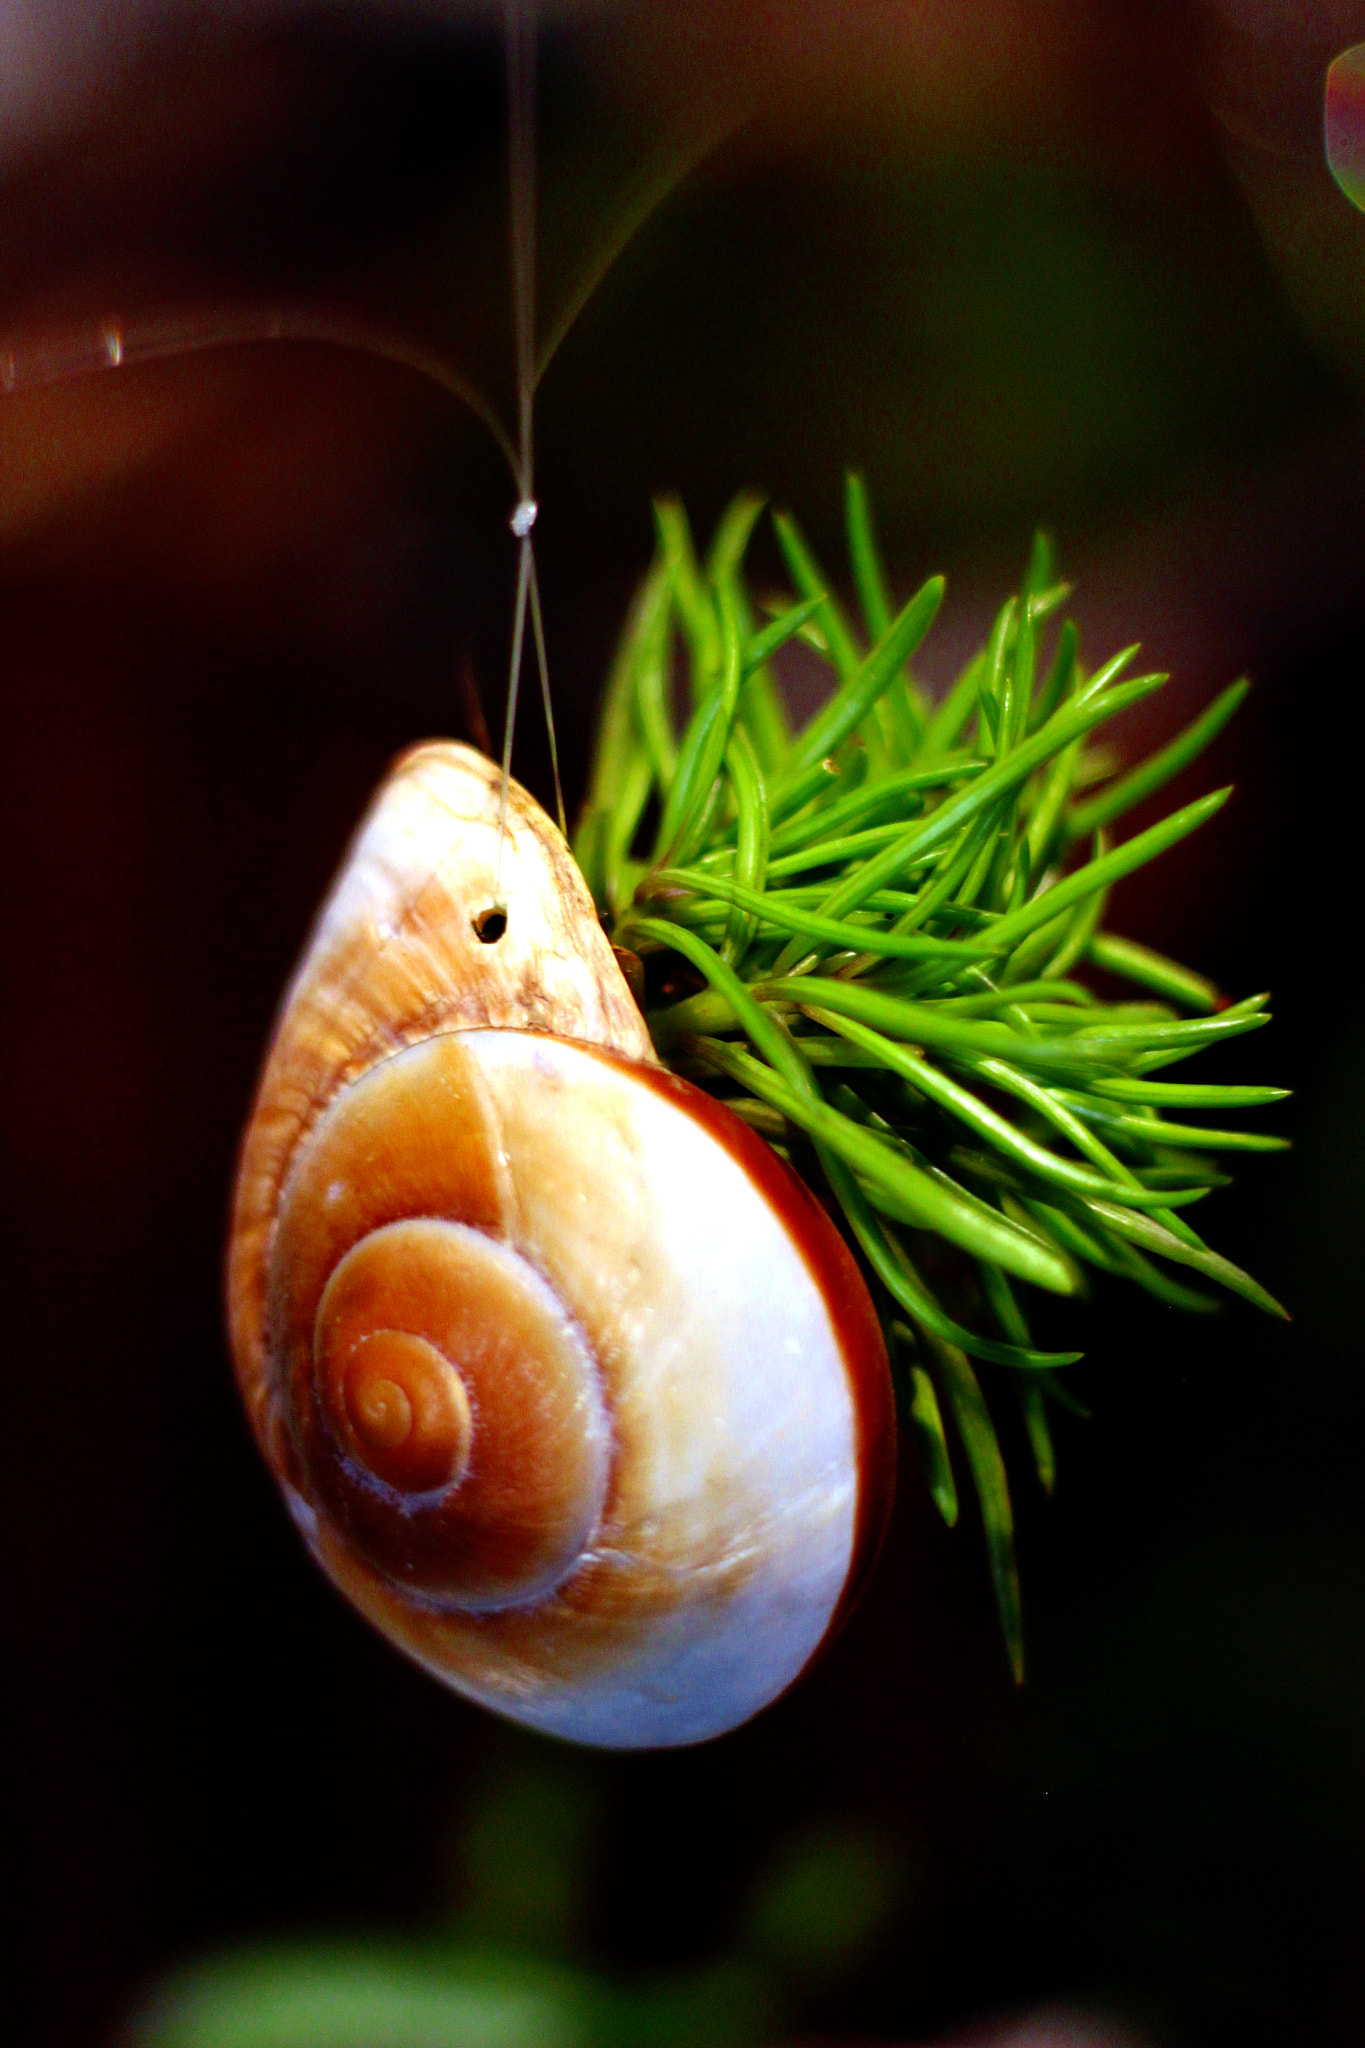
869, 937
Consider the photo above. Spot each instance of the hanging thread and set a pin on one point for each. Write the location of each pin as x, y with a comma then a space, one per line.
32, 361
521, 110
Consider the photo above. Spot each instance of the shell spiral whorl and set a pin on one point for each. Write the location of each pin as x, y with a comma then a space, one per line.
574, 1389
448, 1409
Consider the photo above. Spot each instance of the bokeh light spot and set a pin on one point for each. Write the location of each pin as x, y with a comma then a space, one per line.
1344, 122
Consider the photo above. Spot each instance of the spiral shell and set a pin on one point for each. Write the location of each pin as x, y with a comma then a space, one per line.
571, 1385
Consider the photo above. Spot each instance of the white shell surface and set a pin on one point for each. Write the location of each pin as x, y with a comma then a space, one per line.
729, 1529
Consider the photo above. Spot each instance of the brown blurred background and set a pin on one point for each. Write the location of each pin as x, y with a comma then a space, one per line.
1020, 262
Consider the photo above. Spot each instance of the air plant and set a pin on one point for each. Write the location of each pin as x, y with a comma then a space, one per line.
873, 938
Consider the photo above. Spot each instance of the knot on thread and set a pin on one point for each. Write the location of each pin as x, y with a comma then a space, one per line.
523, 517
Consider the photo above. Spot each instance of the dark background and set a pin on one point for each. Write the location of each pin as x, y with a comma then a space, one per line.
1019, 262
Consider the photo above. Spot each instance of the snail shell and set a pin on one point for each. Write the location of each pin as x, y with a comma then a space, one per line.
571, 1385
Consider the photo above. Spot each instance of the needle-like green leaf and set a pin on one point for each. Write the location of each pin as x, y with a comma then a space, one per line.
927, 1424
852, 702
1158, 769
872, 938
982, 1447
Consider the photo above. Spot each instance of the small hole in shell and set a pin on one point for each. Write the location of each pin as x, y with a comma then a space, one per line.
490, 925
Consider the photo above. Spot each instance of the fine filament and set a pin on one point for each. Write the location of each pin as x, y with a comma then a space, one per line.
32, 362
521, 111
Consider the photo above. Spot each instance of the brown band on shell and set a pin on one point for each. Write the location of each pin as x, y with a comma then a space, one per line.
396, 956
445, 1407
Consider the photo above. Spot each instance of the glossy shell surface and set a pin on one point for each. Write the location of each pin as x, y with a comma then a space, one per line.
571, 1385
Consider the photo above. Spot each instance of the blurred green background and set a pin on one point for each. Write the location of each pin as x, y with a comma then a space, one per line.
1081, 265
